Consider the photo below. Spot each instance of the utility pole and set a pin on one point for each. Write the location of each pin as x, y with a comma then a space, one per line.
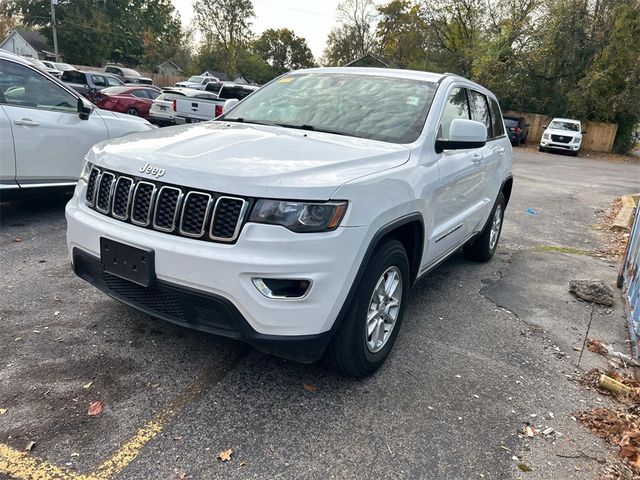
53, 24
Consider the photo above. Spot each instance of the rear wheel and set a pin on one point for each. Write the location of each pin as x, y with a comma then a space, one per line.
371, 326
482, 248
132, 111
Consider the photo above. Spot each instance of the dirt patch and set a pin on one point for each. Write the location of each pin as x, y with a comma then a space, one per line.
615, 241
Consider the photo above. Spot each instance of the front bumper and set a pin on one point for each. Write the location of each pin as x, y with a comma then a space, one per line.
567, 147
329, 260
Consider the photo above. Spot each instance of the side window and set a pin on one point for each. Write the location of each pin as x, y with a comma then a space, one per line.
99, 80
457, 106
480, 110
113, 82
140, 93
22, 87
496, 119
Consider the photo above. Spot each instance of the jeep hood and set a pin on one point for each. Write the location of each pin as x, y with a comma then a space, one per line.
250, 160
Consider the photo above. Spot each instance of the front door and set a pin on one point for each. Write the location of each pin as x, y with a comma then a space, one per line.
50, 138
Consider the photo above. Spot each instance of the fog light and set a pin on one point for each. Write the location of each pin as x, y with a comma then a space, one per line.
282, 287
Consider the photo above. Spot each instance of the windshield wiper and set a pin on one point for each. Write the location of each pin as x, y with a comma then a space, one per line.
306, 126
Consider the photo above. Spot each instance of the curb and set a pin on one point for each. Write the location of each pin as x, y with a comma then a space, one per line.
625, 215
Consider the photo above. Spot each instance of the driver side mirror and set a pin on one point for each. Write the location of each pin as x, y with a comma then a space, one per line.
85, 108
544, 126
583, 132
463, 134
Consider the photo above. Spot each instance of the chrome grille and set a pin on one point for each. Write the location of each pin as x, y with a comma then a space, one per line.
195, 213
561, 138
167, 208
142, 202
122, 198
225, 225
104, 192
92, 186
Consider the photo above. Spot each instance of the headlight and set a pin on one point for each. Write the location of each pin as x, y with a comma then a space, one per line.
302, 217
577, 139
545, 136
86, 170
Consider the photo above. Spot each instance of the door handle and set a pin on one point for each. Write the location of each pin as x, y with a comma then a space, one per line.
27, 122
500, 150
476, 157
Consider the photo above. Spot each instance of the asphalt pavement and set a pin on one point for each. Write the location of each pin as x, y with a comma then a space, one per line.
483, 349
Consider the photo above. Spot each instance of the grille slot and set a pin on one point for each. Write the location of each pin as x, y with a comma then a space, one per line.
104, 192
121, 198
142, 200
92, 186
227, 218
194, 214
166, 210
561, 138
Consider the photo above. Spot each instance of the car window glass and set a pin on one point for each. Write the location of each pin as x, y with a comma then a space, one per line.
140, 93
21, 86
234, 92
480, 110
457, 106
153, 94
112, 82
99, 80
510, 122
73, 76
367, 106
496, 118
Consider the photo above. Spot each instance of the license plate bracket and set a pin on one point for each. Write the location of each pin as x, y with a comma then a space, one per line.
130, 263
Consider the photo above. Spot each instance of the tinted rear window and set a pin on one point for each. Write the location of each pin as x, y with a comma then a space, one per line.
234, 92
510, 122
73, 76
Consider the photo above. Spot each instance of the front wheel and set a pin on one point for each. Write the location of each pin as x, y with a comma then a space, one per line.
371, 326
132, 111
482, 248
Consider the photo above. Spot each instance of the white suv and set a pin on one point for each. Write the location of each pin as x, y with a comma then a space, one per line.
299, 220
562, 134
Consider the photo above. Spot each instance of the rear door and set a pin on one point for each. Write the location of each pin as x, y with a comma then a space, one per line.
7, 154
492, 155
50, 138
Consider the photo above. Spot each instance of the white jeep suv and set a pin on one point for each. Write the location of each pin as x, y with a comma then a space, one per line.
562, 134
299, 220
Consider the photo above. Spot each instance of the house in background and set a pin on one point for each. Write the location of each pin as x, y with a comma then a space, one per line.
28, 44
369, 60
168, 68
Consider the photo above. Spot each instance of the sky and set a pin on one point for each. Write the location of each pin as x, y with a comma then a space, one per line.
309, 19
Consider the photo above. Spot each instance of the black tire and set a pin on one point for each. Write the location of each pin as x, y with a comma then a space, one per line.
541, 149
480, 248
574, 154
132, 111
348, 352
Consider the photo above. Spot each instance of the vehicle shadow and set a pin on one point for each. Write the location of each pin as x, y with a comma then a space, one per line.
32, 207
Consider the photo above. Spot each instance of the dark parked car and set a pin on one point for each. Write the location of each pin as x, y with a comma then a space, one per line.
517, 129
128, 75
88, 83
132, 99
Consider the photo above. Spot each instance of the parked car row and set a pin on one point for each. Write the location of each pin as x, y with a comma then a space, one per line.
46, 128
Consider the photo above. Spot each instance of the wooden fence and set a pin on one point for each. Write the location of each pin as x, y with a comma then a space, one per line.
599, 136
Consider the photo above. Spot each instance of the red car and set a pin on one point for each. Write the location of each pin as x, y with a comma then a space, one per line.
134, 100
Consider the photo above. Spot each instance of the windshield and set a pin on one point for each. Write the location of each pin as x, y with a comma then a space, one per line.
195, 79
129, 72
560, 125
367, 106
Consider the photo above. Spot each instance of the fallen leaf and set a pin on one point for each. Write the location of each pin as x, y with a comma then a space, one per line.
95, 408
309, 387
3, 411
183, 476
524, 467
17, 240
87, 385
75, 454
225, 455
30, 446
56, 313
242, 464
154, 385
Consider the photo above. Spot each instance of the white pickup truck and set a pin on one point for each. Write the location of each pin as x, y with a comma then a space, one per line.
194, 110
